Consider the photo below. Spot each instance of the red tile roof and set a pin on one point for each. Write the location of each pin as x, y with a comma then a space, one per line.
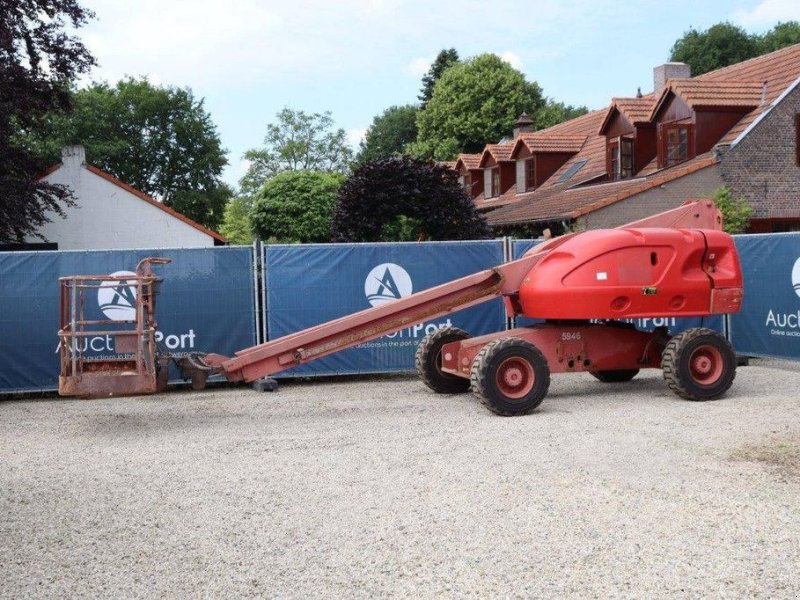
556, 204
545, 141
777, 69
468, 161
635, 110
497, 152
699, 94
737, 86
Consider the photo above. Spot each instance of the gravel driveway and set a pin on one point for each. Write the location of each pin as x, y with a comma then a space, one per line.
379, 487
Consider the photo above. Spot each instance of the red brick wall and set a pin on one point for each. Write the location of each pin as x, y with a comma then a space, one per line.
763, 168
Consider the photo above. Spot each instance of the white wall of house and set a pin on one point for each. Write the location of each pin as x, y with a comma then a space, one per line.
108, 216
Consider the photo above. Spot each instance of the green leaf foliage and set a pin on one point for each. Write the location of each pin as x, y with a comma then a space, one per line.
725, 44
297, 141
236, 225
205, 207
159, 139
780, 36
402, 198
443, 61
296, 207
39, 59
736, 212
389, 133
553, 113
473, 103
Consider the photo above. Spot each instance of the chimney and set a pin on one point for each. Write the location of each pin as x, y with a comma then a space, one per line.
73, 157
524, 123
667, 71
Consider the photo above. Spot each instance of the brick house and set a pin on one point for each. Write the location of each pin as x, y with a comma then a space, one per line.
738, 127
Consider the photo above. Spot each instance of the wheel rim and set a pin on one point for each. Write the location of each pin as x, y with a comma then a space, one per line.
706, 365
515, 377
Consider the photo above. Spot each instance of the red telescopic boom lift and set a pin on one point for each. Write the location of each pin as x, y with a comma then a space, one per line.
584, 286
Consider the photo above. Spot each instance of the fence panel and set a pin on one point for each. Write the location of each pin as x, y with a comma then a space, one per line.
206, 304
769, 324
311, 284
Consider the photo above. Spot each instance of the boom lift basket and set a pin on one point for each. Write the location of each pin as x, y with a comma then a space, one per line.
128, 361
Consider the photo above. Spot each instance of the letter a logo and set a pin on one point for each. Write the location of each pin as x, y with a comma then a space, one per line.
386, 283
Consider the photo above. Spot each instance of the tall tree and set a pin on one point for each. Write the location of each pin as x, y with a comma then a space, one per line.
443, 61
780, 36
236, 226
38, 62
297, 141
389, 133
720, 45
553, 113
474, 103
296, 207
403, 198
158, 139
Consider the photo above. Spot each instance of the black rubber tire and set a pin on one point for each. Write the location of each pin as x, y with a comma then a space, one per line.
694, 354
428, 361
617, 376
486, 370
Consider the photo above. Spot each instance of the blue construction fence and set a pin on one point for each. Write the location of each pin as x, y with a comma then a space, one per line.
213, 299
207, 302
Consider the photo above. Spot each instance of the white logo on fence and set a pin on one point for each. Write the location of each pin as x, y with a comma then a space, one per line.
386, 283
796, 276
116, 300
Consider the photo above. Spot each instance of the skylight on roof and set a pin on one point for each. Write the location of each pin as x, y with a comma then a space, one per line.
576, 166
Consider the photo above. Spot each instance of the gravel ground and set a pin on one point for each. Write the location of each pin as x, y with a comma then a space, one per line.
379, 487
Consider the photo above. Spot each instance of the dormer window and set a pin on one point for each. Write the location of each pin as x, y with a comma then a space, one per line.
677, 143
530, 174
466, 182
491, 182
621, 163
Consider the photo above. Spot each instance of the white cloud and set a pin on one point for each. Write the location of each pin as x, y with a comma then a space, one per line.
354, 137
419, 66
513, 59
768, 13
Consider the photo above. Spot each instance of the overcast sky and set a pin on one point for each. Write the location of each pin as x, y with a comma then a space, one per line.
251, 58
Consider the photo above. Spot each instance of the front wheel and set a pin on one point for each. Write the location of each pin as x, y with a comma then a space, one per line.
699, 364
428, 361
510, 376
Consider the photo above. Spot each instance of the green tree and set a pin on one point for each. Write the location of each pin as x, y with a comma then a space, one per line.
39, 60
443, 61
206, 207
402, 198
296, 207
780, 36
389, 133
736, 212
297, 141
473, 103
158, 139
236, 225
720, 45
553, 113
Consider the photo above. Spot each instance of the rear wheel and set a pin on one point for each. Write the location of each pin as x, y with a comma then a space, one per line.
699, 364
428, 361
617, 376
510, 376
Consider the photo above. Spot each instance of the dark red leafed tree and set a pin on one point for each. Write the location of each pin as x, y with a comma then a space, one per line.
39, 61
405, 199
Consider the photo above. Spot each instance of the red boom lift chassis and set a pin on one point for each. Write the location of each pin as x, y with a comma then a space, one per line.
584, 286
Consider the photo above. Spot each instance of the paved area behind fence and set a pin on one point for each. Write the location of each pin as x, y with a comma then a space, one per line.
377, 487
